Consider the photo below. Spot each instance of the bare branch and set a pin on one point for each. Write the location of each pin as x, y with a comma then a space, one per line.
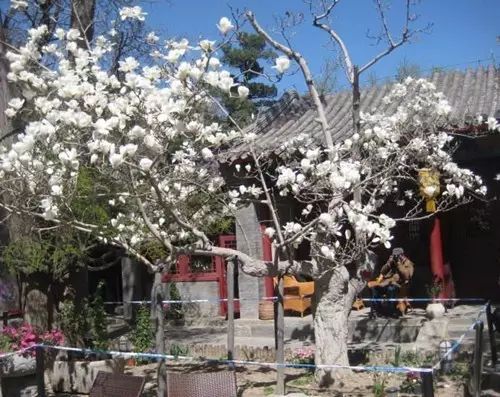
406, 34
306, 73
387, 32
349, 67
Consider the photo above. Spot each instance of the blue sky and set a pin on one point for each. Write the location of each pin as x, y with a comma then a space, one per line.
463, 32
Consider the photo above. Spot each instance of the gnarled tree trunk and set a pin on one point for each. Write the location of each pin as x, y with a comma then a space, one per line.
333, 301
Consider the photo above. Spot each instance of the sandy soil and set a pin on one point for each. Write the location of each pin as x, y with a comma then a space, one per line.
260, 382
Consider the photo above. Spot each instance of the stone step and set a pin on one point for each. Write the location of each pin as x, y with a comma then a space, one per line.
296, 328
402, 330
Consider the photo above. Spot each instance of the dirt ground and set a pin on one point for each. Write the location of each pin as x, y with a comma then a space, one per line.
260, 381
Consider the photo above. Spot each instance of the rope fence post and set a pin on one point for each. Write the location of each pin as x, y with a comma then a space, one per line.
427, 383
280, 339
231, 262
477, 366
491, 334
39, 370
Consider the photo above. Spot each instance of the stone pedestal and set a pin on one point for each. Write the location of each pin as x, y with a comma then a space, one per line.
17, 365
16, 375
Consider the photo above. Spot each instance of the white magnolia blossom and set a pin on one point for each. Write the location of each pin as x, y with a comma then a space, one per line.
207, 153
493, 124
282, 64
207, 45
270, 232
128, 65
225, 25
243, 91
145, 164
19, 5
152, 38
16, 103
132, 13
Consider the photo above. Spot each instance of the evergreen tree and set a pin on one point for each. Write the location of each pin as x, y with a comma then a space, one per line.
247, 57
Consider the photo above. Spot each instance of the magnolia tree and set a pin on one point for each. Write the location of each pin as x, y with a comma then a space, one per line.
149, 141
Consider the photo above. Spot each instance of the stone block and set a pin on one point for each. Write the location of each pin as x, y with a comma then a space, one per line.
78, 376
17, 366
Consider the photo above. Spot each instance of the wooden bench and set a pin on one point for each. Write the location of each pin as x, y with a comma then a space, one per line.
297, 294
107, 384
201, 384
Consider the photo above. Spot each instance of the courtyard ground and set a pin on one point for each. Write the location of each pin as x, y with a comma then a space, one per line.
413, 338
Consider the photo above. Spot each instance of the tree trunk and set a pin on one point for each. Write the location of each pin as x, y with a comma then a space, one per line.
331, 310
158, 317
280, 338
4, 86
356, 101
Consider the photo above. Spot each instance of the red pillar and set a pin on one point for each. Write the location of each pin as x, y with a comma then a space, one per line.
267, 255
436, 250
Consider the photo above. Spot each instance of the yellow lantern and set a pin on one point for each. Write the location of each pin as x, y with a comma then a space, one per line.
428, 180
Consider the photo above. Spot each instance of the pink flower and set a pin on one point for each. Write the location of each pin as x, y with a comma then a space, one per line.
27, 336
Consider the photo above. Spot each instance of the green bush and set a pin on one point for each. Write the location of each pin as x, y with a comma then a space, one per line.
84, 325
174, 310
178, 350
73, 321
142, 335
97, 320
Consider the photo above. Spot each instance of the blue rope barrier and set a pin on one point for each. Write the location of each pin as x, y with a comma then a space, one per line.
275, 298
382, 368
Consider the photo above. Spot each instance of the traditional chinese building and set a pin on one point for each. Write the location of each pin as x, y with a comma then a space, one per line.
466, 238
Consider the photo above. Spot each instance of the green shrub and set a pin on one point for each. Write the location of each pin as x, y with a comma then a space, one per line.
142, 335
174, 310
84, 325
97, 320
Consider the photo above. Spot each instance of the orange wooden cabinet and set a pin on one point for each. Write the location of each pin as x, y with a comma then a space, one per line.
297, 294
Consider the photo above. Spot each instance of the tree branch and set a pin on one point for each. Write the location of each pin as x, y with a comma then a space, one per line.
405, 36
297, 57
258, 267
145, 217
336, 37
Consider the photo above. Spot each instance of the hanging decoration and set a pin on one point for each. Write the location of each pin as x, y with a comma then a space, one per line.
428, 180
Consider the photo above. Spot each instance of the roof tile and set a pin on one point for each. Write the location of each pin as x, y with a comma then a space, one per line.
475, 91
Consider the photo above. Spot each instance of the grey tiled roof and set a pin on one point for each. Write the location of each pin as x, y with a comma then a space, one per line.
470, 92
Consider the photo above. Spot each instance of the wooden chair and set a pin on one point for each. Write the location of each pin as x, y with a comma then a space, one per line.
107, 384
201, 384
297, 294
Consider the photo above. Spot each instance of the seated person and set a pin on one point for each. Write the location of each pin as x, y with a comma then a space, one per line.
393, 281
